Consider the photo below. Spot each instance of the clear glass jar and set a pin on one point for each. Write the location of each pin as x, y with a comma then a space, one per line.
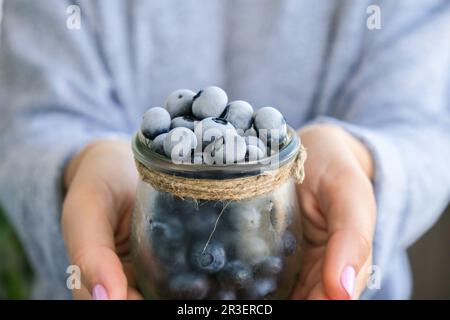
206, 249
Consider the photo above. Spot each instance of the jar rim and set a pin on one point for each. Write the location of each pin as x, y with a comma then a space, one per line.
155, 161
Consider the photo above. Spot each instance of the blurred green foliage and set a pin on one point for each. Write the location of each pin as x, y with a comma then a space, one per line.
15, 272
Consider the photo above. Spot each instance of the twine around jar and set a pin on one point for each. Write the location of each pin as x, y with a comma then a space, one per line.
225, 189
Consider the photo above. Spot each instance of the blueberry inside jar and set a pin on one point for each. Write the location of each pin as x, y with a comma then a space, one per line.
216, 214
201, 247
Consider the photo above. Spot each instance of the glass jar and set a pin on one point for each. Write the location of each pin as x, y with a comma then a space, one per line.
190, 248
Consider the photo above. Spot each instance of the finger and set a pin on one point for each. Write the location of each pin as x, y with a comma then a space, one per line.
129, 273
363, 278
133, 294
311, 273
317, 293
89, 237
84, 294
345, 255
350, 211
81, 294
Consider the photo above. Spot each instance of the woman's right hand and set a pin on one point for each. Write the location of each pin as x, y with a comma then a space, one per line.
101, 182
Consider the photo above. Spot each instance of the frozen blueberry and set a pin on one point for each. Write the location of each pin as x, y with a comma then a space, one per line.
267, 206
255, 141
228, 149
158, 143
202, 222
274, 214
260, 289
236, 274
197, 158
154, 122
183, 121
179, 102
250, 132
224, 295
209, 260
289, 242
168, 231
189, 286
173, 258
271, 126
209, 152
210, 129
254, 153
233, 151
240, 114
209, 102
243, 217
281, 216
163, 205
167, 205
179, 144
271, 266
184, 206
253, 249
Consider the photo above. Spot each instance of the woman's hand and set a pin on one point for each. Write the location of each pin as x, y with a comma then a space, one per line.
101, 183
338, 209
336, 198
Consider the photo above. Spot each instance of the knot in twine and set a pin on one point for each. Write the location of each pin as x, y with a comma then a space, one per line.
225, 189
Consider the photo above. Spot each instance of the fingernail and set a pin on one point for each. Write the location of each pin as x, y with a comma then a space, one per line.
99, 293
348, 280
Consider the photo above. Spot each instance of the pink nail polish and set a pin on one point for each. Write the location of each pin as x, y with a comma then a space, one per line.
99, 293
348, 280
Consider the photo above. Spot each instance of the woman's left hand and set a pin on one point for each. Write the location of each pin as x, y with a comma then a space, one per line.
338, 212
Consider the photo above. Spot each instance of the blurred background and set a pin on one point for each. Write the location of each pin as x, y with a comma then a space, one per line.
15, 273
430, 258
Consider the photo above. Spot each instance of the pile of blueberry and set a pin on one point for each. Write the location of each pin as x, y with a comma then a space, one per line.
216, 249
213, 250
204, 127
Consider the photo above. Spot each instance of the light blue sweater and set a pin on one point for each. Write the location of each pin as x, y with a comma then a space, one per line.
314, 60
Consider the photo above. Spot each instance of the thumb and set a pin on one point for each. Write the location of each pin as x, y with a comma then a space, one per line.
346, 254
89, 237
350, 212
102, 273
